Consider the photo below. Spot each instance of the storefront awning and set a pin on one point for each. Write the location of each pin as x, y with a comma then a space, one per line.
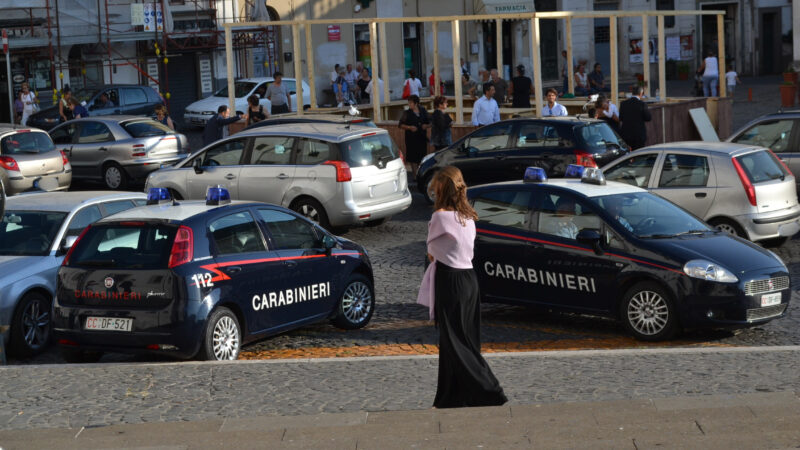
508, 6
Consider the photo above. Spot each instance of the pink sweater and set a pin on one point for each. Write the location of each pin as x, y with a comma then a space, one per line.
450, 243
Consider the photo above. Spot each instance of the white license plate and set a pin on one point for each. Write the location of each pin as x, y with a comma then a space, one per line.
109, 324
771, 299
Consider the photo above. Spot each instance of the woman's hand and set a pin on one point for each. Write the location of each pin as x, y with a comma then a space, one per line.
412, 128
430, 257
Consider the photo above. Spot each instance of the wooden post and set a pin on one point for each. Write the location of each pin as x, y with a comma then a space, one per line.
646, 55
662, 59
537, 66
614, 60
384, 64
436, 89
376, 93
722, 89
229, 63
456, 35
298, 69
568, 62
498, 25
310, 67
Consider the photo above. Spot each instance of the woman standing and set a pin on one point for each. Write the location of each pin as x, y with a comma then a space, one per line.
29, 102
450, 289
710, 69
163, 117
77, 109
255, 112
521, 88
415, 122
363, 82
63, 104
440, 124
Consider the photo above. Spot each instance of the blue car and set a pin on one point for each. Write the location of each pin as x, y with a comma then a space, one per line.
201, 278
612, 249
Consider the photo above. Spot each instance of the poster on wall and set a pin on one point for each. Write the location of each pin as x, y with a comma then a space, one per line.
635, 51
334, 33
673, 47
687, 47
153, 19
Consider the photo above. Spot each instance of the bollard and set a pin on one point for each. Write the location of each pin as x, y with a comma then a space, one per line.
749, 94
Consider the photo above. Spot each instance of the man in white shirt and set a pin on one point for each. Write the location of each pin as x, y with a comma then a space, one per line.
551, 108
485, 110
370, 88
335, 74
414, 84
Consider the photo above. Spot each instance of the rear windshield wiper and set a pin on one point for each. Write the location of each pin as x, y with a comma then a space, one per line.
97, 262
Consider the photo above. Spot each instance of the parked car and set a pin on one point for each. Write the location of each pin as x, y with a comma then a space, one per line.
36, 231
332, 174
742, 189
343, 119
130, 99
118, 149
27, 155
779, 132
200, 111
502, 151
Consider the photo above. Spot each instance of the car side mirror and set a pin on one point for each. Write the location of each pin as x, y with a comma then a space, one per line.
472, 151
68, 243
329, 243
198, 165
591, 238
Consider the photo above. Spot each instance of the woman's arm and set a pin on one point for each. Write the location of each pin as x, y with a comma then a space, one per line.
170, 123
61, 111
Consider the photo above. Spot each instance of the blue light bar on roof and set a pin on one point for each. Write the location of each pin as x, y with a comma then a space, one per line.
593, 175
157, 196
574, 171
535, 175
217, 196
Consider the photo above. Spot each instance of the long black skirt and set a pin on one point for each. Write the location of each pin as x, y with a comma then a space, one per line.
464, 377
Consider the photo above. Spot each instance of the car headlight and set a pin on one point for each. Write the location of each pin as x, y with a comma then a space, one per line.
426, 157
706, 270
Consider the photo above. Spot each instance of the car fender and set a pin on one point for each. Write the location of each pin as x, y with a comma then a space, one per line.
13, 292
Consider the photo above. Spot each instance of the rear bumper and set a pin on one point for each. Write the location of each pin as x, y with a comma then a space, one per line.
15, 185
776, 224
352, 213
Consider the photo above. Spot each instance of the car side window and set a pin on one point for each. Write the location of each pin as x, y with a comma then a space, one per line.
289, 231
492, 137
272, 150
290, 86
134, 96
684, 171
313, 152
82, 219
236, 233
508, 208
140, 202
635, 170
228, 153
117, 206
94, 132
563, 215
535, 134
63, 135
773, 134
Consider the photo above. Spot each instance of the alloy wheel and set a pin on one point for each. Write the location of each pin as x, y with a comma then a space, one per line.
309, 212
356, 302
648, 313
35, 325
226, 339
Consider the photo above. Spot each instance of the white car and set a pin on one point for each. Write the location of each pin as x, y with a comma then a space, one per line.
200, 111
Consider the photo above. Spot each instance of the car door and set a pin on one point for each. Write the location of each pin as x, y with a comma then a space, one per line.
782, 136
64, 136
251, 271
540, 144
688, 180
220, 165
134, 101
309, 176
310, 273
268, 171
636, 170
90, 149
481, 157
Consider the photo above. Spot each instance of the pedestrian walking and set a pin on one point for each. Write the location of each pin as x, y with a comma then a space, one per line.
450, 290
633, 113
18, 108
485, 110
500, 87
710, 69
30, 104
163, 116
520, 89
415, 122
215, 127
441, 122
552, 107
413, 83
255, 111
64, 112
278, 95
731, 80
78, 110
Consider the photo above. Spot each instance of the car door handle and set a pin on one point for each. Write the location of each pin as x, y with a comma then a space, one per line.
230, 176
290, 264
233, 269
700, 194
103, 149
283, 176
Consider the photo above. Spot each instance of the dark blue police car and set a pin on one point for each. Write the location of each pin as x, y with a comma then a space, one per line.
607, 248
202, 278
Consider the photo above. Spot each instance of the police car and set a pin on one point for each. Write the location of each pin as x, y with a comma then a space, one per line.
202, 278
586, 245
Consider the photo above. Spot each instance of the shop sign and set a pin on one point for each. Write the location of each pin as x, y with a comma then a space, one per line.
334, 33
18, 78
508, 7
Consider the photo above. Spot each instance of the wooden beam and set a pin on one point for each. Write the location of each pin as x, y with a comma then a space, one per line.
384, 65
310, 67
229, 69
298, 69
455, 31
646, 55
721, 86
376, 93
614, 60
570, 66
498, 45
537, 66
436, 89
662, 60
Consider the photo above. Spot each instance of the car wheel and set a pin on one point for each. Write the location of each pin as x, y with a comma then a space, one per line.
223, 336
356, 304
30, 329
114, 176
427, 187
729, 227
75, 356
312, 210
648, 312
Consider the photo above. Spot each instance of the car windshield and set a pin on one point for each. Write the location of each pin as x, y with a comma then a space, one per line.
240, 88
26, 142
145, 128
649, 216
600, 136
376, 149
84, 95
29, 233
125, 246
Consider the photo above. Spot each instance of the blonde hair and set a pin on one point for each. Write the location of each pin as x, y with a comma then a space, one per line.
450, 193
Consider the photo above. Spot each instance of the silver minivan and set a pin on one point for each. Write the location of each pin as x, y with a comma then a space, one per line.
742, 189
334, 174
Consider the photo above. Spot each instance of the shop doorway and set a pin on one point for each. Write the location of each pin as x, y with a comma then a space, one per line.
412, 57
770, 48
709, 33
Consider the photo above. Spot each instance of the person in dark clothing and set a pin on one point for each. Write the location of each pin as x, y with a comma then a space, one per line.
216, 125
415, 122
255, 111
633, 113
441, 122
521, 89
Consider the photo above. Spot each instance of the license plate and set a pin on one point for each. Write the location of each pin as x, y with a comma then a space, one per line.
771, 299
109, 324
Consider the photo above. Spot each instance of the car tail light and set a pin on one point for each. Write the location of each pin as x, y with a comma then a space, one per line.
74, 244
9, 163
182, 248
138, 150
586, 159
342, 170
788, 172
64, 158
749, 189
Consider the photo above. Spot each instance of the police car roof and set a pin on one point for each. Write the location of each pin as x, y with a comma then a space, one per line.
167, 211
65, 201
331, 132
585, 189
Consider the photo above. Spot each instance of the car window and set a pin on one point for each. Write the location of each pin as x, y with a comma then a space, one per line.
534, 134
240, 89
125, 246
289, 231
236, 233
29, 232
684, 170
93, 132
599, 137
508, 208
290, 86
146, 128
647, 215
773, 134
117, 206
113, 100
761, 166
635, 170
134, 96
63, 135
563, 215
26, 143
83, 219
272, 150
313, 152
228, 153
369, 149
492, 137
